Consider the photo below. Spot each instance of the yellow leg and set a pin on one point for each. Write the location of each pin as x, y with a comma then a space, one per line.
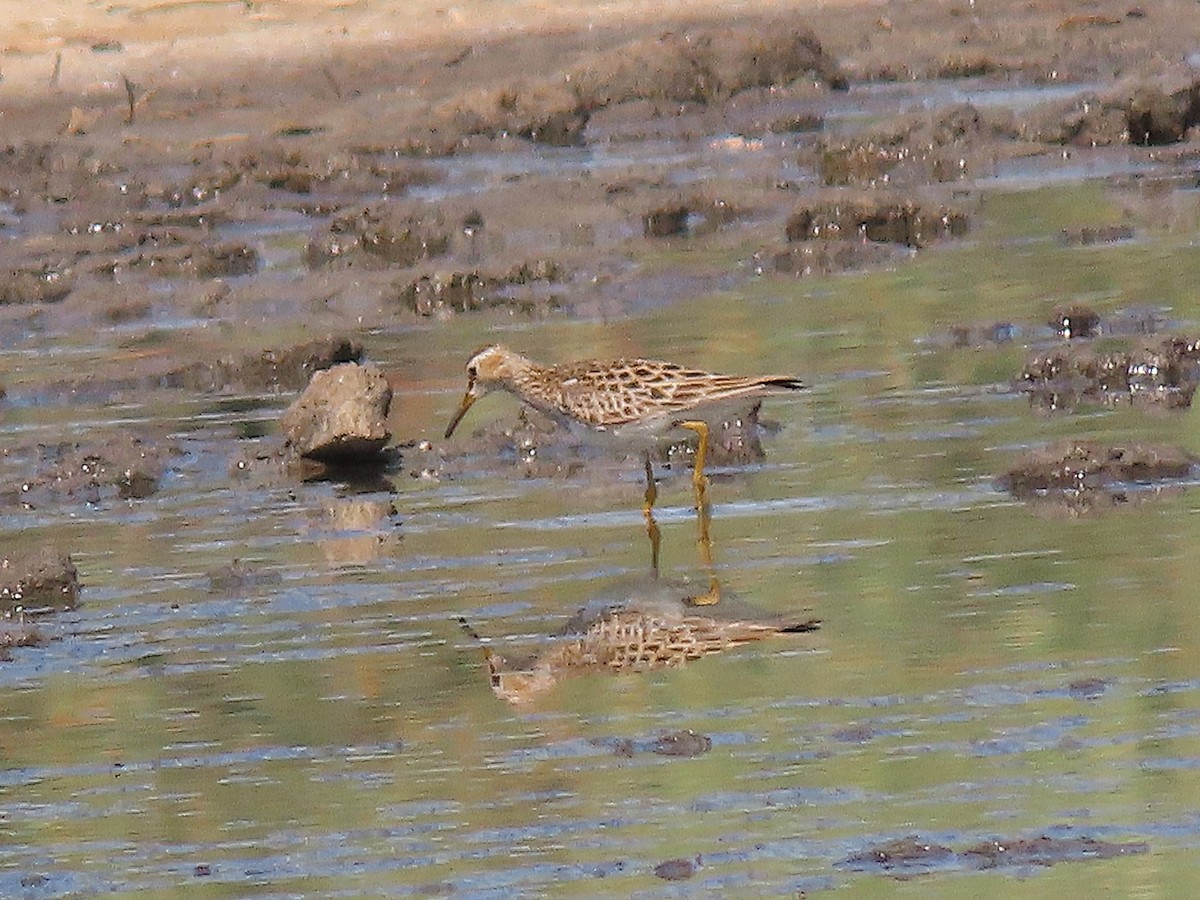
648, 511
701, 428
703, 514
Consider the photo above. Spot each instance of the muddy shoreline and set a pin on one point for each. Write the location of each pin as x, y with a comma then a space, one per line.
163, 192
249, 590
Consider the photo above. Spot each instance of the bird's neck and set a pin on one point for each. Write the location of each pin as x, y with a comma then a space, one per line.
521, 372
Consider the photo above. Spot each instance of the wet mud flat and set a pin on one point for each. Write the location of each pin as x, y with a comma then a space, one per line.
193, 240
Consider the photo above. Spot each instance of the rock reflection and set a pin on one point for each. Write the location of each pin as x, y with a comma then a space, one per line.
356, 530
655, 624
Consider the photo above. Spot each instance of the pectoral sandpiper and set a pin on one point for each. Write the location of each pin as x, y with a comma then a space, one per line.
635, 401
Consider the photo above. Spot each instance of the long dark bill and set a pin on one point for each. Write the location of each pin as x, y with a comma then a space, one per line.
467, 400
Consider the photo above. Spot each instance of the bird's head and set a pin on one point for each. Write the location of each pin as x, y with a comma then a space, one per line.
492, 367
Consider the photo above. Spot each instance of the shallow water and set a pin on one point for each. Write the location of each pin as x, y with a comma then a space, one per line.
985, 669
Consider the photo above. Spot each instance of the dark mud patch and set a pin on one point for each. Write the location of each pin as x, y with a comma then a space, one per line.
1161, 373
909, 856
689, 218
1146, 112
528, 288
379, 237
1088, 688
857, 215
696, 66
677, 869
827, 257
951, 144
856, 734
37, 282
682, 744
123, 467
1088, 235
282, 370
43, 581
1079, 478
974, 335
1082, 465
902, 856
1047, 851
240, 578
194, 260
18, 635
1075, 321
268, 371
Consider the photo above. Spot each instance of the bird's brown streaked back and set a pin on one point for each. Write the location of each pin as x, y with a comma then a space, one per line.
608, 394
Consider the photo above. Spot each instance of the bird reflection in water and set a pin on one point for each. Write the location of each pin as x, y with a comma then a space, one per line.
656, 626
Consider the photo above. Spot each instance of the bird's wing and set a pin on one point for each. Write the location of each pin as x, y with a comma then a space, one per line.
623, 391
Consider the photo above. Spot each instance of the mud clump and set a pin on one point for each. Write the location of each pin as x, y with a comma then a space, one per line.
18, 635
1075, 321
701, 67
1090, 465
543, 115
124, 467
42, 282
1046, 851
540, 448
686, 219
331, 171
899, 855
1146, 115
948, 145
668, 221
198, 260
1155, 117
826, 257
1087, 121
876, 219
240, 578
1162, 373
341, 418
289, 369
912, 855
965, 335
706, 66
40, 582
204, 188
1087, 236
732, 441
676, 869
968, 66
1087, 688
377, 238
543, 112
462, 292
682, 743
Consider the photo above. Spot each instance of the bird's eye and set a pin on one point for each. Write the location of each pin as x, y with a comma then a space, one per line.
472, 372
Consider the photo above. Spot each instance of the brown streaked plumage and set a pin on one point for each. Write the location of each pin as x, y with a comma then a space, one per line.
634, 400
619, 396
628, 640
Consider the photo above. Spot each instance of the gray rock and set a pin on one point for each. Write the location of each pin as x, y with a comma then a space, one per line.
341, 417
